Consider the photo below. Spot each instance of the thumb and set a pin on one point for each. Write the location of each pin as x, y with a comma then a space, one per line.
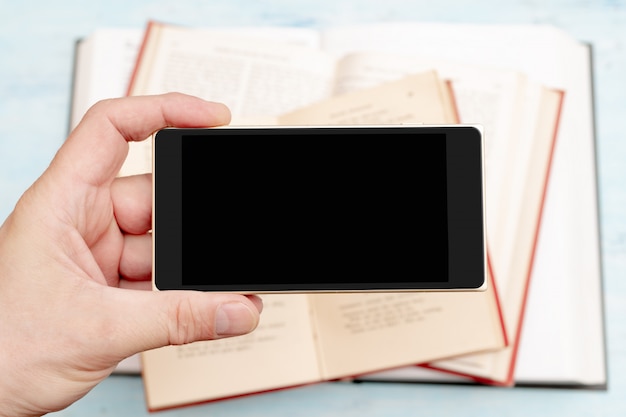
152, 319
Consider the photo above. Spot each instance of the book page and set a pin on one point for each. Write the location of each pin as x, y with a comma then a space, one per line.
536, 149
255, 76
355, 329
279, 353
572, 342
104, 63
252, 76
418, 98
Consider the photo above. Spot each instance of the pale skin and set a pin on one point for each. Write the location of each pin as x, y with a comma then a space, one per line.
75, 264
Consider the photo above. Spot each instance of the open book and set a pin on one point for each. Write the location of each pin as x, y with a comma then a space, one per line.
562, 341
565, 347
307, 338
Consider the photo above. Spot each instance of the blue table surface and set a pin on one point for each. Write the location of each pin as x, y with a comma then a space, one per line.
36, 49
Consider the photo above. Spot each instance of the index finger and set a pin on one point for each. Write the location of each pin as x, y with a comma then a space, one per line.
97, 148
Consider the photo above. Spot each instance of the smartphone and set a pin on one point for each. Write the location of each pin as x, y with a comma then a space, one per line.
272, 209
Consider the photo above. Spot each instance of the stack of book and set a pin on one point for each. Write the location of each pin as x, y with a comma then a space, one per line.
540, 322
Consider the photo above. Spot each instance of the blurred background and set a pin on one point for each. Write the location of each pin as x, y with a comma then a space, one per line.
37, 41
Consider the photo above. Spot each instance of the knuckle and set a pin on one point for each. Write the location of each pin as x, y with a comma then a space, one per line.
187, 323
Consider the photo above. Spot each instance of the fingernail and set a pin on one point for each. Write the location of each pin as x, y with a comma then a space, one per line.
233, 319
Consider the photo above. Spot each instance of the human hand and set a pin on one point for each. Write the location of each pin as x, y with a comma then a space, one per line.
75, 253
